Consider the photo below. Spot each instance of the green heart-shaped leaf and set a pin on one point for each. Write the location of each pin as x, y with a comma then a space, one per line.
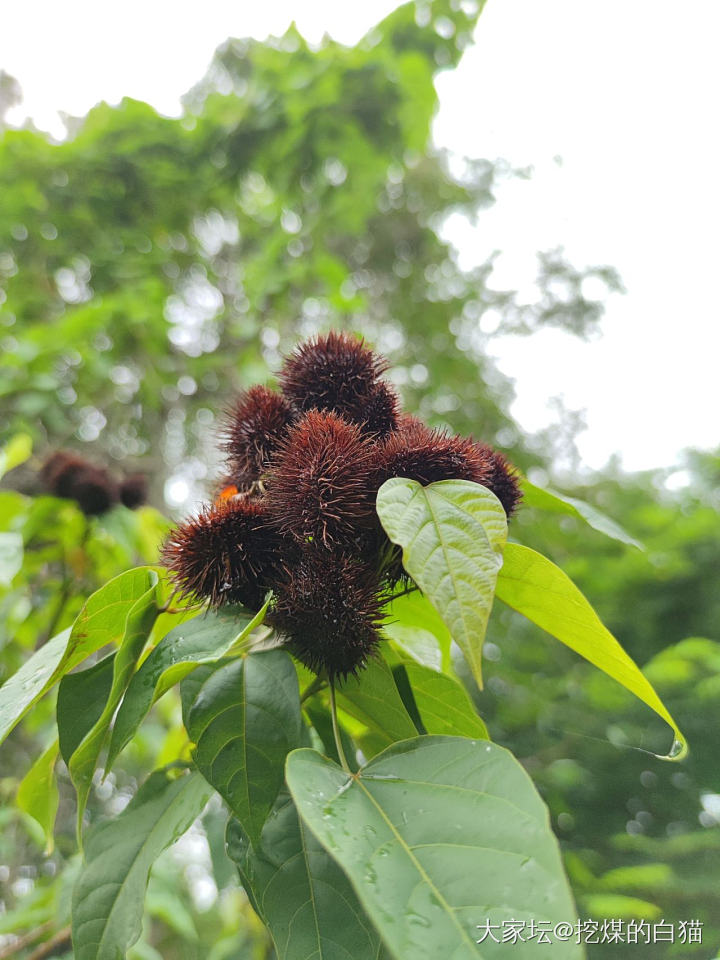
452, 534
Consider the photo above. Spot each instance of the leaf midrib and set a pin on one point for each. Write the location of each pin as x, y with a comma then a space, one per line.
448, 565
418, 866
121, 884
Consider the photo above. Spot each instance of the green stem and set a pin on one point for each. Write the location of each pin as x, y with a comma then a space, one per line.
336, 730
315, 687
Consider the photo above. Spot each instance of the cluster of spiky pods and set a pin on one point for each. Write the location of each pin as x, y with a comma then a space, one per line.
92, 487
296, 510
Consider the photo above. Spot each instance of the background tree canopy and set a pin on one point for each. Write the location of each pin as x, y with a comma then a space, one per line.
151, 267
175, 259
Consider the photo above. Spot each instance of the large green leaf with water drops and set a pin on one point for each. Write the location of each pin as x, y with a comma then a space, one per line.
300, 892
452, 534
542, 592
243, 721
109, 892
440, 837
201, 640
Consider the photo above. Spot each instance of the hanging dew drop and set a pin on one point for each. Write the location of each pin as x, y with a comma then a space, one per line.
678, 750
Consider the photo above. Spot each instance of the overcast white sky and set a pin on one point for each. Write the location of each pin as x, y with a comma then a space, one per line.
624, 92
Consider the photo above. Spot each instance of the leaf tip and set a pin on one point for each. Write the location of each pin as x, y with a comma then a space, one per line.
678, 751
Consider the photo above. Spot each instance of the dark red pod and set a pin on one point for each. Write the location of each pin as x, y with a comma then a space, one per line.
228, 553
328, 610
338, 372
253, 429
379, 412
419, 453
320, 485
295, 509
133, 490
70, 476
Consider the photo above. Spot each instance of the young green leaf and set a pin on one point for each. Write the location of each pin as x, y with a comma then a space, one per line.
109, 891
560, 503
413, 624
100, 622
244, 720
80, 701
542, 592
440, 837
27, 685
38, 793
139, 622
103, 619
372, 697
443, 703
300, 892
452, 534
200, 640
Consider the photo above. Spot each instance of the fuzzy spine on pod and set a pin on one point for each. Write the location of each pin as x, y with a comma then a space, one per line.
503, 479
320, 483
254, 427
380, 411
228, 553
339, 373
328, 611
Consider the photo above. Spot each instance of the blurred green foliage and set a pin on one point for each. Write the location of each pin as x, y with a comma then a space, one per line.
150, 267
634, 828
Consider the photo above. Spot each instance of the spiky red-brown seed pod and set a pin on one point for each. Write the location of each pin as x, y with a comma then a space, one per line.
378, 413
419, 453
58, 470
320, 488
503, 479
95, 491
72, 477
254, 426
133, 490
228, 553
330, 372
328, 610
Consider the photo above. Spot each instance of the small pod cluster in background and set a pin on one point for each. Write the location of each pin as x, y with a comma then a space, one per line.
93, 488
296, 509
